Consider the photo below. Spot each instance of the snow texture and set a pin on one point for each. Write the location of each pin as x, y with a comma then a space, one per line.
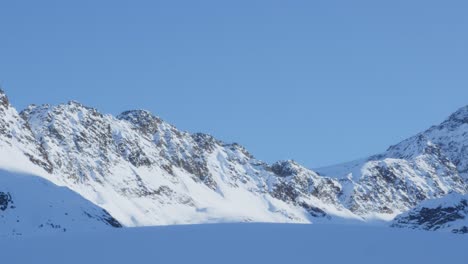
240, 243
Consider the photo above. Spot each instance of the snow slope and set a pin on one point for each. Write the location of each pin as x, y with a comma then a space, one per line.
30, 204
240, 243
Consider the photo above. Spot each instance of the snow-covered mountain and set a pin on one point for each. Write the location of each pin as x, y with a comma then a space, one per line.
144, 171
426, 166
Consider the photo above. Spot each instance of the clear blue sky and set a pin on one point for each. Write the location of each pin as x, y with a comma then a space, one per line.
317, 81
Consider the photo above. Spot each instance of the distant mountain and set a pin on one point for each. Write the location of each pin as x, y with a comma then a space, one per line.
426, 166
144, 171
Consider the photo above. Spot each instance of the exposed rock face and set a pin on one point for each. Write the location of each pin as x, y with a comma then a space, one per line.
449, 213
16, 134
179, 148
76, 139
4, 102
300, 186
5, 200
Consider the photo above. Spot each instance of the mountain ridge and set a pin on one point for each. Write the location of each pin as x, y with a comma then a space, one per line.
144, 171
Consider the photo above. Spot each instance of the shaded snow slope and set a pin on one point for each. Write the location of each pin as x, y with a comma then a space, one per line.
30, 204
240, 243
449, 213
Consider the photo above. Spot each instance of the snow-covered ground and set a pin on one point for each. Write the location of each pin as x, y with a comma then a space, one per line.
239, 243
31, 204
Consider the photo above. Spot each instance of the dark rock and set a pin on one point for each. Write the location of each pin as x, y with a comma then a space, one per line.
5, 200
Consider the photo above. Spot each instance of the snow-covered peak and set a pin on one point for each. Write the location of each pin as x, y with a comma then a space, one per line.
460, 116
206, 141
75, 103
4, 99
426, 166
411, 148
451, 136
73, 111
78, 139
16, 138
143, 119
286, 168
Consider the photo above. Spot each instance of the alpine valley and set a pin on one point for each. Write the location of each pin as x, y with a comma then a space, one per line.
70, 167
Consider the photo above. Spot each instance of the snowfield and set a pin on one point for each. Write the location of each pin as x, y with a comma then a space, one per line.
239, 243
31, 204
